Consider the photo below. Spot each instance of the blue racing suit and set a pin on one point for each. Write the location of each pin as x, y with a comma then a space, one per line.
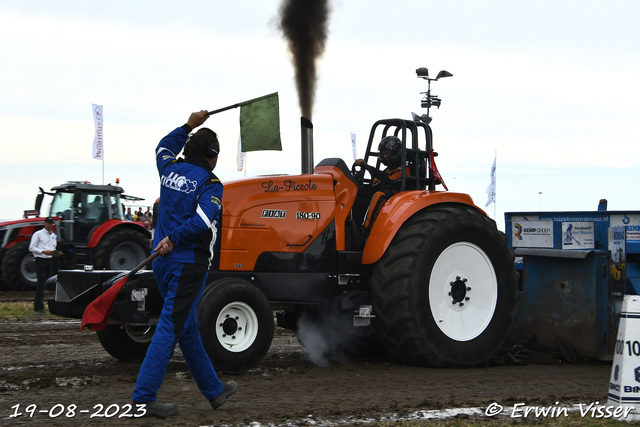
190, 202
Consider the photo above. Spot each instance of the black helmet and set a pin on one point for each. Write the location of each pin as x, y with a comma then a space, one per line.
393, 144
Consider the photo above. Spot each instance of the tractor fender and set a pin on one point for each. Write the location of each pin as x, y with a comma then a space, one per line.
397, 210
17, 240
115, 224
25, 229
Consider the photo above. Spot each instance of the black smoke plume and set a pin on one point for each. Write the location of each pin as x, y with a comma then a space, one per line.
304, 25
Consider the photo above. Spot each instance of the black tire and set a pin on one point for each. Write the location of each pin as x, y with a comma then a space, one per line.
236, 324
442, 249
121, 250
18, 267
126, 343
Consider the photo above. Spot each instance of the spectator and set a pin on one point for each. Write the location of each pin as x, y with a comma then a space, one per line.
43, 247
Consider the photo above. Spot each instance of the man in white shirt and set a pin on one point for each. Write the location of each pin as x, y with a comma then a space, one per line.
43, 247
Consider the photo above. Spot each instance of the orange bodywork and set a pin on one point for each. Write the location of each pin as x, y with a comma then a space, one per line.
282, 214
287, 213
397, 210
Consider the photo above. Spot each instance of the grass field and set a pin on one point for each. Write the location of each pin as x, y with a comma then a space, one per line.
16, 309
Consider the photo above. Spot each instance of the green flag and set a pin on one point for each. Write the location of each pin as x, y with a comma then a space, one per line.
260, 124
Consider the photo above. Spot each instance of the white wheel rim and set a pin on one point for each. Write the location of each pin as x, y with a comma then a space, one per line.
28, 269
126, 256
467, 270
237, 326
141, 334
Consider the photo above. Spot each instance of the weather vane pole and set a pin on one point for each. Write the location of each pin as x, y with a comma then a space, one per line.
429, 100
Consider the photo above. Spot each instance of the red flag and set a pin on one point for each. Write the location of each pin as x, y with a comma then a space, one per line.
97, 313
434, 170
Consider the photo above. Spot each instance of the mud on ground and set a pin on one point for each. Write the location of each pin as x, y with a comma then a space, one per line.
46, 361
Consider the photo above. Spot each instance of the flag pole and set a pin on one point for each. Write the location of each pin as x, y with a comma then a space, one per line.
220, 110
240, 104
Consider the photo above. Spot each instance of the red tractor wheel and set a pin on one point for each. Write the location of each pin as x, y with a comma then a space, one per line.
18, 267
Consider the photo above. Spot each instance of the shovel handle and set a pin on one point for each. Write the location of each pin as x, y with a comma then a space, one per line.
143, 263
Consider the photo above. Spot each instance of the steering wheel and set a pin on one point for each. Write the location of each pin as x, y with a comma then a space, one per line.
358, 174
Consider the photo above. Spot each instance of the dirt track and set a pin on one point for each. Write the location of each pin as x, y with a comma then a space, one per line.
46, 361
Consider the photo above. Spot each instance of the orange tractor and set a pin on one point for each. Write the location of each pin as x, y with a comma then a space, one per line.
427, 275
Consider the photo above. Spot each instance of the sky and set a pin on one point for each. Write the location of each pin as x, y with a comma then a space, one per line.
550, 89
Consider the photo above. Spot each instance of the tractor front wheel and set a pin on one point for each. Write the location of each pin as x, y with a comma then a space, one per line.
127, 342
444, 292
236, 324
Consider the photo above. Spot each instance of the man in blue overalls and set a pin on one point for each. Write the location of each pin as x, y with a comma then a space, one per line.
190, 202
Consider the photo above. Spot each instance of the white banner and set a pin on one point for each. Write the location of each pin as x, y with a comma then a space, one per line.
353, 146
491, 190
98, 140
241, 156
618, 243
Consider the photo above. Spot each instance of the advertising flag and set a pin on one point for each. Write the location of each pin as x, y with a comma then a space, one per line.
241, 156
434, 170
491, 189
98, 140
353, 146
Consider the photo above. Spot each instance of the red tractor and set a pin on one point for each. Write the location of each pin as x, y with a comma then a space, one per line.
91, 231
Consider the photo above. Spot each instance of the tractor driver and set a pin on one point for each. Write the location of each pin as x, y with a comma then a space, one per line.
386, 181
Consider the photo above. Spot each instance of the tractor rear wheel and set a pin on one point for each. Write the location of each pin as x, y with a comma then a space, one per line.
18, 267
126, 343
236, 324
122, 250
444, 292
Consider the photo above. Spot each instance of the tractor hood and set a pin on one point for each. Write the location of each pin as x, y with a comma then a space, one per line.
23, 221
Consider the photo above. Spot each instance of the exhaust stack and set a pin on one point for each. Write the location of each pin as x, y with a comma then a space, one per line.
306, 128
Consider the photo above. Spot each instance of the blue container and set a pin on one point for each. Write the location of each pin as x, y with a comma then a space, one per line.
574, 269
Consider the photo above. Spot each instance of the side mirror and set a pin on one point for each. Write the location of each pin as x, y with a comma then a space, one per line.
38, 204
